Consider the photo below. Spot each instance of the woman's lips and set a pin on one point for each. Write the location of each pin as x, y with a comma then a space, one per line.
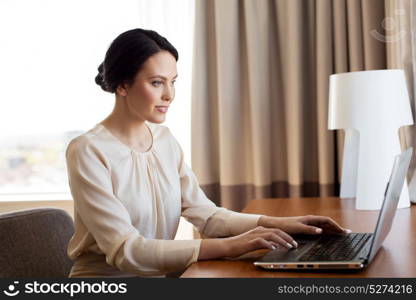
162, 109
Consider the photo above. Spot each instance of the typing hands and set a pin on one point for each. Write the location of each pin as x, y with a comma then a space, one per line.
272, 232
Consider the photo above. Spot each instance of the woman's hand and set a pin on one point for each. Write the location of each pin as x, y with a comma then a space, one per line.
272, 232
303, 225
257, 238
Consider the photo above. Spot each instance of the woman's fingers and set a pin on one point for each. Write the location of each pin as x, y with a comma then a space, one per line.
261, 243
307, 229
286, 237
270, 238
325, 223
279, 232
278, 237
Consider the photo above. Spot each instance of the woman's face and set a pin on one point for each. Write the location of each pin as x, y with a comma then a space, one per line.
149, 96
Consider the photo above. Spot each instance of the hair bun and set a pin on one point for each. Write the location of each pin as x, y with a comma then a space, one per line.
99, 79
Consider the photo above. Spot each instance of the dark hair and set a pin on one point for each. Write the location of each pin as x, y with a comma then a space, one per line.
126, 55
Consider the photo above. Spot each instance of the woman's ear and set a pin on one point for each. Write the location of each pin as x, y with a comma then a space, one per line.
122, 89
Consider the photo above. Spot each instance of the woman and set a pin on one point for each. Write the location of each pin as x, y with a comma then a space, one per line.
130, 183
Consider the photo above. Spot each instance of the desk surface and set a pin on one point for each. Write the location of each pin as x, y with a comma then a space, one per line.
396, 258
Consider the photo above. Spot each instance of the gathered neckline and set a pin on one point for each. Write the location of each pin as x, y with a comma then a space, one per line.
148, 151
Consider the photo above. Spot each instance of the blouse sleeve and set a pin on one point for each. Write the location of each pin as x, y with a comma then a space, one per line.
209, 219
108, 221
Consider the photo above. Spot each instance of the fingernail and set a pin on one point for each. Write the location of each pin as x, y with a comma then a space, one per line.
318, 230
347, 230
295, 244
273, 247
289, 245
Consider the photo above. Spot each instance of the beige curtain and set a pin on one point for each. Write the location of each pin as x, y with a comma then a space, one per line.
401, 53
260, 93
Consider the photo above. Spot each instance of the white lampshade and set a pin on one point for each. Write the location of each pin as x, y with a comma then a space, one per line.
371, 106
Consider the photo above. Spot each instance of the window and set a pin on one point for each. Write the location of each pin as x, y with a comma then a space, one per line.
49, 54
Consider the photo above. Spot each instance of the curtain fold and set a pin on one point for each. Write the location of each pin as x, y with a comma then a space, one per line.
401, 54
260, 93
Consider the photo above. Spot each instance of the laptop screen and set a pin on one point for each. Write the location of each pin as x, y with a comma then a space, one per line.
391, 199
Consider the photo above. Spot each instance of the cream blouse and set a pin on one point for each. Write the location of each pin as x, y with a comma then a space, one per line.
127, 206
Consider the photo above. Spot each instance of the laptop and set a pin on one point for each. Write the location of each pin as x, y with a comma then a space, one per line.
350, 251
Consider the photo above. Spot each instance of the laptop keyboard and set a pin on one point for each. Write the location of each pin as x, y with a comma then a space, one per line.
336, 247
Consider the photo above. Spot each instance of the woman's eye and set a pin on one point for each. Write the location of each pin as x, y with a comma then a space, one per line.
173, 82
156, 83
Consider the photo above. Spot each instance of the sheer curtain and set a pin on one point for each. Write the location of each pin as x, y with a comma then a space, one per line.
49, 54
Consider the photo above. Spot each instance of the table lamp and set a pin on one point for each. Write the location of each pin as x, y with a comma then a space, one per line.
370, 106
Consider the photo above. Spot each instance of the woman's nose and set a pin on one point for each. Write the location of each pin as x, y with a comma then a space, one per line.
168, 94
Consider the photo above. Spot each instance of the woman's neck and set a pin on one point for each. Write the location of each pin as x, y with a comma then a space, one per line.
128, 129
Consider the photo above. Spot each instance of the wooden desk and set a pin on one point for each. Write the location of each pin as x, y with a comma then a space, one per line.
396, 258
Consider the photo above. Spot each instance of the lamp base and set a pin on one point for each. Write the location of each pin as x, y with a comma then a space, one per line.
367, 202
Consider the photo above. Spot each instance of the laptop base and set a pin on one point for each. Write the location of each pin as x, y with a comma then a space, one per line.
312, 265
